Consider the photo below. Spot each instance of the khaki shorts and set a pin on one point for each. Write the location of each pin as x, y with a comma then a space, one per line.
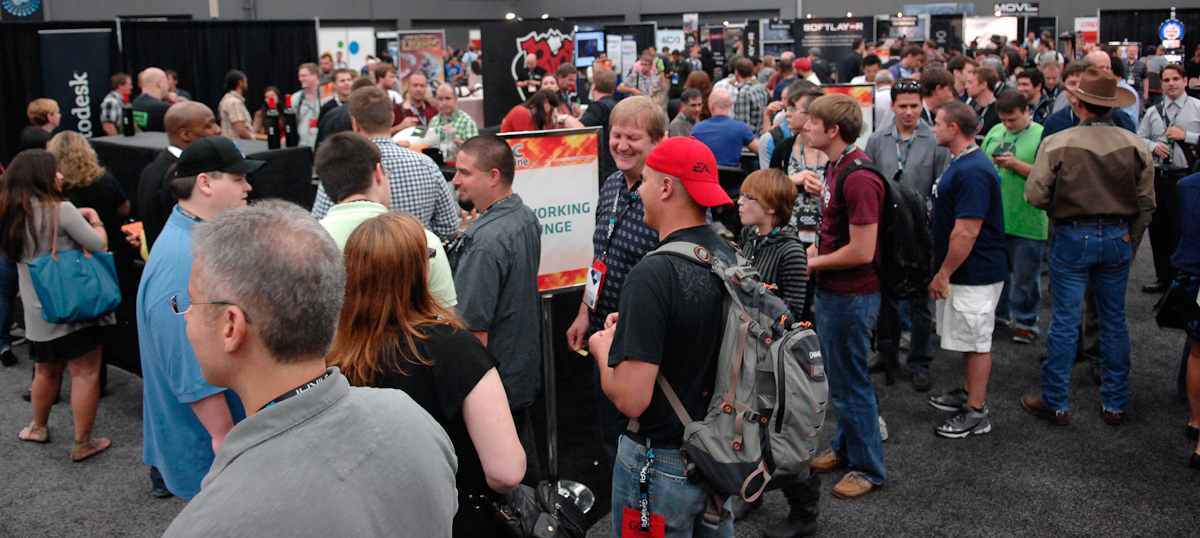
965, 319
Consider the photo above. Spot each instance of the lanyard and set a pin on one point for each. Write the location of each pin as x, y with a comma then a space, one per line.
420, 114
1173, 118
760, 241
983, 113
190, 215
1004, 138
908, 151
298, 390
614, 218
644, 490
804, 160
497, 202
938, 181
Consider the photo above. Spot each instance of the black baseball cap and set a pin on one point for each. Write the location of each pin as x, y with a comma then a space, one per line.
214, 154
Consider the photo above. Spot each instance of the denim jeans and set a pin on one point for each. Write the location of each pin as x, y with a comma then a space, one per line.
681, 503
1100, 255
892, 320
844, 324
8, 299
1021, 305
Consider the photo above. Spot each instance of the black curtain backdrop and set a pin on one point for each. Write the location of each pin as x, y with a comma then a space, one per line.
21, 74
1141, 25
269, 52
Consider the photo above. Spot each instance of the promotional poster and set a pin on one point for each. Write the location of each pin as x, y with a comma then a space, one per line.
835, 36
552, 41
865, 95
75, 73
557, 176
421, 52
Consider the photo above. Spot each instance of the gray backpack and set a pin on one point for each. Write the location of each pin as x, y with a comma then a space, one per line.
770, 395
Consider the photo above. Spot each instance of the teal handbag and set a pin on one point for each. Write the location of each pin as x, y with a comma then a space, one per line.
74, 285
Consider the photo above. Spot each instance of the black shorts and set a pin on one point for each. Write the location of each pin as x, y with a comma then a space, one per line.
67, 347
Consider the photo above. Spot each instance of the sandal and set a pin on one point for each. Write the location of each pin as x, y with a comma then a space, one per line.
88, 448
37, 433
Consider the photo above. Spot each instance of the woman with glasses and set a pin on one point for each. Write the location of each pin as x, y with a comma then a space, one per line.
29, 192
799, 160
769, 241
391, 334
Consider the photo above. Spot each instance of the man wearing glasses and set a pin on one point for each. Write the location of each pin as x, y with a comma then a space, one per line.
184, 417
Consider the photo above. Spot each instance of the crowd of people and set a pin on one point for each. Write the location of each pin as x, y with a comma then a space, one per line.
393, 327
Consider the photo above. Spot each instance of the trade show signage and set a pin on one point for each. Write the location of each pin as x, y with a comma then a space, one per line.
421, 52
835, 36
507, 44
557, 176
1015, 8
1171, 30
75, 73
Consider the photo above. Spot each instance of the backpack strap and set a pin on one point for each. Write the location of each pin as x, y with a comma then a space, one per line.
839, 189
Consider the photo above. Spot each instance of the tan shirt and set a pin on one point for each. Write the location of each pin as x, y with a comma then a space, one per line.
233, 109
1094, 170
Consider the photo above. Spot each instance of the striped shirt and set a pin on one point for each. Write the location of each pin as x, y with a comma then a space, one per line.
464, 125
781, 261
110, 109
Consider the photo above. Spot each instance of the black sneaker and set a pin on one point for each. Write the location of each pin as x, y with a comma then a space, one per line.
921, 381
791, 528
966, 422
7, 357
951, 401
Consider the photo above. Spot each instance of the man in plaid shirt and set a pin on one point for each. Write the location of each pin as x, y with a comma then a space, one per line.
417, 185
449, 116
110, 109
751, 97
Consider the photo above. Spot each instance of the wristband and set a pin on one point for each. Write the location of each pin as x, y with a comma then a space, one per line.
97, 224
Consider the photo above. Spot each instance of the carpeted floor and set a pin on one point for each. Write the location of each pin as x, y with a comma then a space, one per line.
1025, 478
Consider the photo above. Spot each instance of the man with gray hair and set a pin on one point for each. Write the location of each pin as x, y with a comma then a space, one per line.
314, 456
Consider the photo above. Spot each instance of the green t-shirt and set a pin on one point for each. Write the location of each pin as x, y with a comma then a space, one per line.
1020, 218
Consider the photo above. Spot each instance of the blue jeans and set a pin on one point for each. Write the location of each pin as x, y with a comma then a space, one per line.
1021, 305
892, 320
8, 299
1099, 255
681, 503
844, 325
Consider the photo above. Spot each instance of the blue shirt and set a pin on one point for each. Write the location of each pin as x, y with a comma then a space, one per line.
1065, 119
1187, 255
968, 189
174, 439
725, 136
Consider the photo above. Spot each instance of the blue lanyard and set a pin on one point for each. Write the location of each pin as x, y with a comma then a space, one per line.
1003, 138
938, 181
804, 160
644, 490
758, 243
614, 218
908, 151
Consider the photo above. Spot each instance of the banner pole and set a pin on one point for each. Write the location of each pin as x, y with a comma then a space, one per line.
551, 392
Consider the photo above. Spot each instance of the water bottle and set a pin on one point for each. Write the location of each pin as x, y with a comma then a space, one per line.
127, 127
272, 122
289, 123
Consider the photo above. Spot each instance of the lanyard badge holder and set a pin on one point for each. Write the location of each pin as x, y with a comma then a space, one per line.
640, 523
596, 273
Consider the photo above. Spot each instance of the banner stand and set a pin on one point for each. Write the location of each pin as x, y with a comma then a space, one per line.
577, 492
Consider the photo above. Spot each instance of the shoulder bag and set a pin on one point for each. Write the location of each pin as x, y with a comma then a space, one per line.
73, 285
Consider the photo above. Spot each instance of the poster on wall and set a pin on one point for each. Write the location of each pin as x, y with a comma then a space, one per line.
671, 39
715, 42
557, 176
835, 36
350, 46
421, 52
75, 73
985, 29
613, 48
947, 8
947, 31
907, 27
507, 44
691, 28
865, 95
1089, 29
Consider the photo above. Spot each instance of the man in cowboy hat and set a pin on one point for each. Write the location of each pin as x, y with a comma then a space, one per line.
1096, 182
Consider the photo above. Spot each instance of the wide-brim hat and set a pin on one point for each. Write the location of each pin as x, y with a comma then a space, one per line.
1100, 88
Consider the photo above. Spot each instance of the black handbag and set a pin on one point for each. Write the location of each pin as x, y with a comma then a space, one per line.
1178, 305
540, 512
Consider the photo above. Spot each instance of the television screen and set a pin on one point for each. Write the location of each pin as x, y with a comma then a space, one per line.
587, 46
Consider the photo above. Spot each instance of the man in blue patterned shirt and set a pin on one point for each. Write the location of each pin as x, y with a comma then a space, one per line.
417, 184
110, 108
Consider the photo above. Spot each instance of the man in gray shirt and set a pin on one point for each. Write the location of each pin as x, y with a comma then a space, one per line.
314, 457
909, 152
495, 263
691, 103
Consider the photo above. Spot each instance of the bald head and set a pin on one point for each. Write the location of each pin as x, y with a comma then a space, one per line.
1102, 60
720, 102
154, 82
188, 121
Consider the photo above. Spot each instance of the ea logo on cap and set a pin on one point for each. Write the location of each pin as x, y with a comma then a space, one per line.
700, 167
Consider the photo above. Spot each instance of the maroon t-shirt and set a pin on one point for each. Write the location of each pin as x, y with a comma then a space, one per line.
864, 203
424, 114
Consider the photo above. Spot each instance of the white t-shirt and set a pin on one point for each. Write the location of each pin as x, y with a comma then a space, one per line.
396, 97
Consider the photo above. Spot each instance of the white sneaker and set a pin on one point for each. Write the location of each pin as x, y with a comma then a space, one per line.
883, 435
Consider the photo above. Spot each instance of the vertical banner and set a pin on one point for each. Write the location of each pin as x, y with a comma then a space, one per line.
835, 36
947, 31
691, 27
422, 52
1088, 28
716, 44
75, 73
507, 44
865, 95
557, 176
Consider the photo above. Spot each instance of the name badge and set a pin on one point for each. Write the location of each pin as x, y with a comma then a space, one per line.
631, 525
595, 281
312, 124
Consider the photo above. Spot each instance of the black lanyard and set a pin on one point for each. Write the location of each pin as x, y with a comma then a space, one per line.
190, 215
644, 490
614, 219
298, 390
908, 151
760, 241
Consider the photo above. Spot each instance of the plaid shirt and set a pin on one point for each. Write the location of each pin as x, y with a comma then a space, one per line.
464, 125
750, 102
417, 186
110, 109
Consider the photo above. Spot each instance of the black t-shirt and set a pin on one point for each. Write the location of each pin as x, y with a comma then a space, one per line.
149, 112
154, 200
104, 195
458, 361
524, 73
849, 67
988, 118
672, 315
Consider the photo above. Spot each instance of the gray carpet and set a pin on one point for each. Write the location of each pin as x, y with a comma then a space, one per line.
1026, 478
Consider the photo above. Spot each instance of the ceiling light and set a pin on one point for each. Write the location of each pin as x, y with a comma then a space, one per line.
545, 16
510, 16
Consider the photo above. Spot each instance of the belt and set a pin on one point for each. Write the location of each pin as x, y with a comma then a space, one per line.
642, 440
1098, 221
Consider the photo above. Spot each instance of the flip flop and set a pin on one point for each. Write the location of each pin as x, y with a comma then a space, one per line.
35, 433
86, 449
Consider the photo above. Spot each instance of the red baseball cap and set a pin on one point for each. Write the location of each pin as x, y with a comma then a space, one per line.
693, 163
802, 64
